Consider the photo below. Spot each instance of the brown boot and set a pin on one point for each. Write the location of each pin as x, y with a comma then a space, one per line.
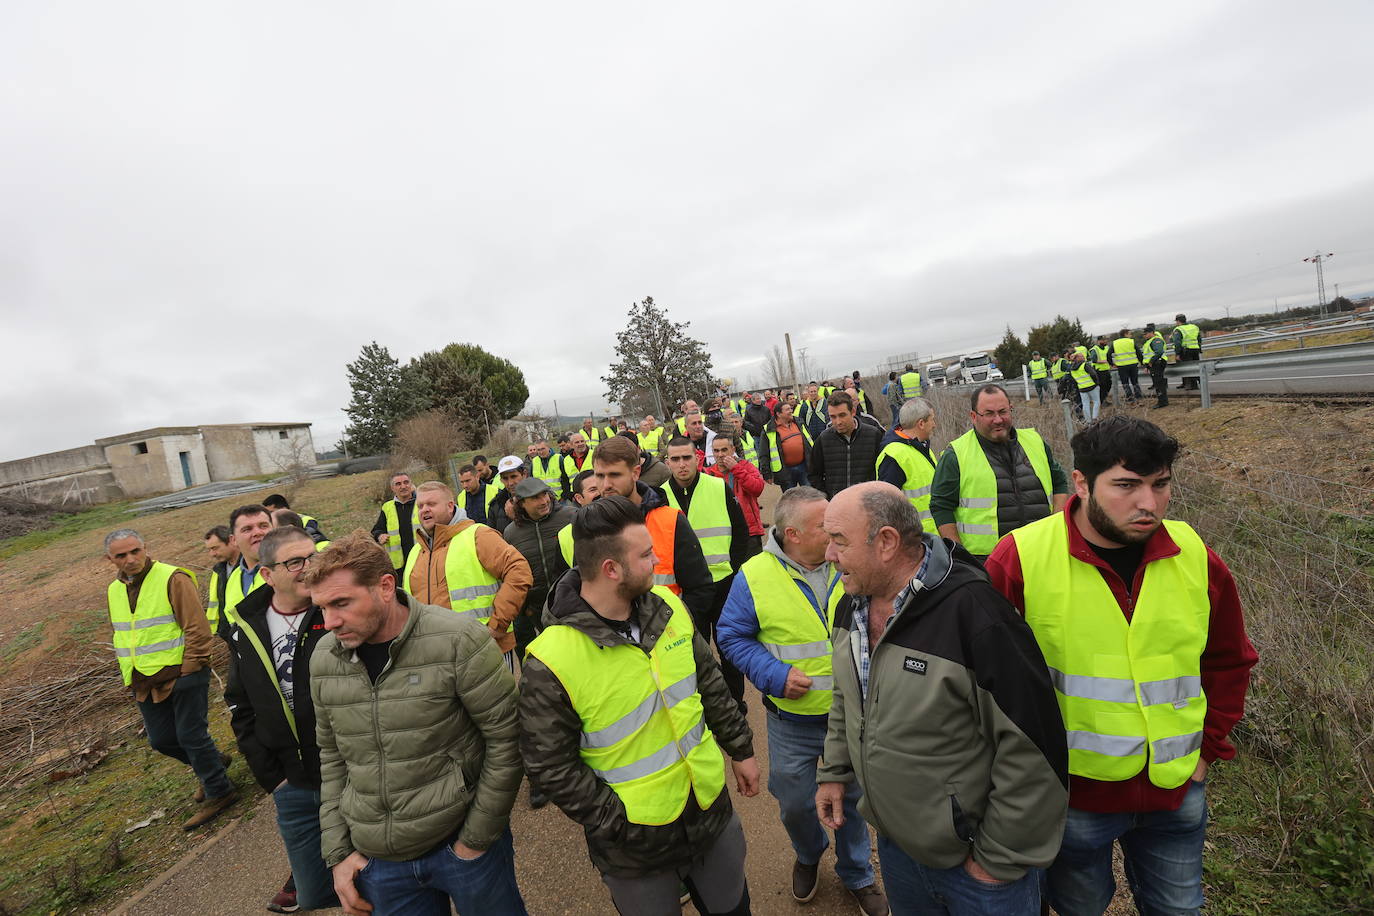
199, 795
210, 809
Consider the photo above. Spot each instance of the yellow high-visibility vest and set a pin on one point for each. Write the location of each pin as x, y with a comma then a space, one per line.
791, 628
710, 519
1038, 369
643, 729
976, 515
471, 588
548, 470
1130, 691
1099, 358
911, 385
1082, 377
393, 533
489, 492
234, 593
1190, 335
648, 442
147, 638
919, 475
1123, 351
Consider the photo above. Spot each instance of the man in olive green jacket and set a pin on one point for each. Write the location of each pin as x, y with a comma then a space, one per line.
419, 762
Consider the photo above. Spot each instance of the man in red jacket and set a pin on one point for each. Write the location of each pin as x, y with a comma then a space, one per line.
747, 482
1148, 704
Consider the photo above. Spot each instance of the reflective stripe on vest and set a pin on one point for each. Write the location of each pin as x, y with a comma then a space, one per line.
571, 470
644, 732
911, 385
489, 493
791, 628
1123, 351
710, 519
247, 633
1081, 377
1190, 335
751, 452
147, 637
662, 524
393, 534
233, 591
1057, 368
648, 442
212, 602
548, 470
1099, 358
1038, 369
471, 588
976, 515
919, 475
1130, 692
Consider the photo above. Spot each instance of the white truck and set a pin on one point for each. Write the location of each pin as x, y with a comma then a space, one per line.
974, 369
935, 373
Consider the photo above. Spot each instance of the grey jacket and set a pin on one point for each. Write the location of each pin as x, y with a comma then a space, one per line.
427, 754
958, 743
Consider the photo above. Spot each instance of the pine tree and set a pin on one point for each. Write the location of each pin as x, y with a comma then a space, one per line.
1011, 354
502, 379
382, 397
658, 364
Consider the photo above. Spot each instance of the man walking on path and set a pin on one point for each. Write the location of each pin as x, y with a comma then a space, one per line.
270, 711
1142, 628
395, 526
905, 460
962, 762
776, 629
1039, 371
219, 542
162, 641
416, 794
249, 524
466, 567
745, 481
994, 478
623, 718
785, 450
539, 521
847, 452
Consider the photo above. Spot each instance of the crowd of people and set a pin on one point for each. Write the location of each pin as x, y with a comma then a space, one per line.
1000, 667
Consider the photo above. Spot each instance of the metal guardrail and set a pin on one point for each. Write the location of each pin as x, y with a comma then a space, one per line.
1296, 331
1306, 371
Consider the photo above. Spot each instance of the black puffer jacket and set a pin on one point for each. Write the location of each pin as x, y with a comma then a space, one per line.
837, 462
260, 726
538, 543
551, 733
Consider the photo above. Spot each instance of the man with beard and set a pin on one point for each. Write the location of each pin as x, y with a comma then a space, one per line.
578, 459
994, 478
618, 677
539, 518
459, 564
1141, 626
394, 528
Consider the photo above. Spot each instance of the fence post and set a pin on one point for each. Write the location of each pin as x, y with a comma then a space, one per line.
1069, 427
1025, 380
1116, 391
1205, 373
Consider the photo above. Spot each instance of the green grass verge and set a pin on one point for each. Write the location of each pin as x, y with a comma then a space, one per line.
108, 516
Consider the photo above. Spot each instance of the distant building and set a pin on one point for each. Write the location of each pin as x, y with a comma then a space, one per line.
160, 460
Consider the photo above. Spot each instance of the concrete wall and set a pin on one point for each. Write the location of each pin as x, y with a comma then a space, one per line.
229, 452
81, 488
159, 470
276, 455
54, 464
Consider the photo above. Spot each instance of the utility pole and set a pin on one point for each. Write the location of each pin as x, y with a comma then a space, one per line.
791, 364
555, 411
1317, 259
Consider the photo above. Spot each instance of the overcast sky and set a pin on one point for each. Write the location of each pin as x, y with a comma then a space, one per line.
206, 209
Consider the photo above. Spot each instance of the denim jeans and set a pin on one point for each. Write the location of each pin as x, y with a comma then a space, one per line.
793, 750
484, 886
796, 476
1092, 403
914, 889
178, 727
298, 822
1163, 853
1130, 381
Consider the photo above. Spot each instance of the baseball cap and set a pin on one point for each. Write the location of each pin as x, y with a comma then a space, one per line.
509, 463
531, 486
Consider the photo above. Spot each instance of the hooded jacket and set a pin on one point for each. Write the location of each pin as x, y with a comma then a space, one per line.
756, 417
689, 563
429, 579
958, 743
538, 544
551, 733
746, 483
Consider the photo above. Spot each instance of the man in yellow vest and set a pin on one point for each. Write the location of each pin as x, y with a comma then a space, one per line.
1187, 341
578, 459
719, 524
649, 435
394, 528
1152, 352
1039, 369
910, 383
474, 497
1141, 626
308, 522
250, 524
219, 542
1100, 355
162, 642
994, 478
905, 460
546, 465
775, 627
466, 567
623, 719
595, 434
286, 518
1126, 358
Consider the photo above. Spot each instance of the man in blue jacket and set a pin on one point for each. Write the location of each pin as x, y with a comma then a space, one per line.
775, 627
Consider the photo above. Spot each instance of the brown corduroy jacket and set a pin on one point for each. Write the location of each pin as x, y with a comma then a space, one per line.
195, 629
429, 583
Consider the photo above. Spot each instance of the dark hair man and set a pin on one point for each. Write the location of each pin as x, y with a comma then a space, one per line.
967, 734
162, 642
308, 522
620, 675
510, 471
249, 524
1187, 341
545, 465
994, 478
846, 453
1152, 350
1039, 370
466, 567
681, 564
1126, 358
1100, 354
539, 522
395, 526
1155, 674
484, 470
224, 555
448, 767
475, 497
776, 627
270, 710
745, 482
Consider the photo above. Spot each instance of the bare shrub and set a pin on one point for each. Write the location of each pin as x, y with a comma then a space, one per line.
506, 439
429, 438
